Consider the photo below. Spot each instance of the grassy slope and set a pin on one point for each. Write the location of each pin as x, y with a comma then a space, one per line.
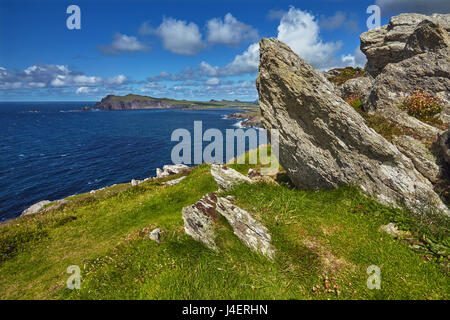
331, 234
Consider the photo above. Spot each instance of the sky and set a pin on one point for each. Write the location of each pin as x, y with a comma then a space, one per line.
191, 49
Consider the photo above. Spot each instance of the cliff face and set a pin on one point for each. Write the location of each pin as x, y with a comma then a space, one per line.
135, 102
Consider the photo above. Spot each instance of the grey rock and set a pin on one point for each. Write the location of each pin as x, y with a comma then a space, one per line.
358, 86
227, 177
134, 182
325, 143
392, 230
427, 37
155, 235
424, 161
386, 44
200, 218
169, 170
429, 72
174, 181
444, 143
35, 208
250, 231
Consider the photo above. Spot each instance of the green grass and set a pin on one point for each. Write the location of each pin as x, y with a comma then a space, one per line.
328, 236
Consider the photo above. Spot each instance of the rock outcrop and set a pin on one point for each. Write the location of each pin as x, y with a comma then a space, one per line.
250, 231
171, 169
444, 143
201, 217
424, 161
325, 143
429, 72
35, 208
427, 37
386, 44
357, 86
227, 177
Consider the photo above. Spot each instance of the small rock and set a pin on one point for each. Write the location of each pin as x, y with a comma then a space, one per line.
393, 231
134, 183
174, 181
155, 235
169, 170
35, 208
227, 177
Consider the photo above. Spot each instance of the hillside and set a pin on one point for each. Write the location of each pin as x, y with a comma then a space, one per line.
324, 243
134, 102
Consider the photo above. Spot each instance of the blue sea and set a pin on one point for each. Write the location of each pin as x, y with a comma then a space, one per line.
48, 151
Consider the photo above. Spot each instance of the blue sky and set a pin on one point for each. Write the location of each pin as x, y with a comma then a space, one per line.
196, 50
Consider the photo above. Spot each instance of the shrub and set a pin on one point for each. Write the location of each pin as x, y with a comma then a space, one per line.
423, 106
355, 101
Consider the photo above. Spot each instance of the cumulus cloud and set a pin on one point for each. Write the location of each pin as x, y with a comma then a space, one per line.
117, 80
416, 6
300, 30
229, 31
86, 90
53, 76
212, 82
244, 63
121, 44
180, 37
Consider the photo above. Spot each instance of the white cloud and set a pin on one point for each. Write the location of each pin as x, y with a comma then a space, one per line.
416, 6
299, 30
53, 76
229, 31
117, 80
86, 90
121, 44
246, 62
180, 37
212, 82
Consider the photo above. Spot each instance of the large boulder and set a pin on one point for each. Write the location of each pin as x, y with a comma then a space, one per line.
386, 44
427, 37
422, 158
429, 72
325, 143
358, 86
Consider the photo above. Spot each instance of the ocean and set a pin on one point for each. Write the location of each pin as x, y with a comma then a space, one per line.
48, 151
